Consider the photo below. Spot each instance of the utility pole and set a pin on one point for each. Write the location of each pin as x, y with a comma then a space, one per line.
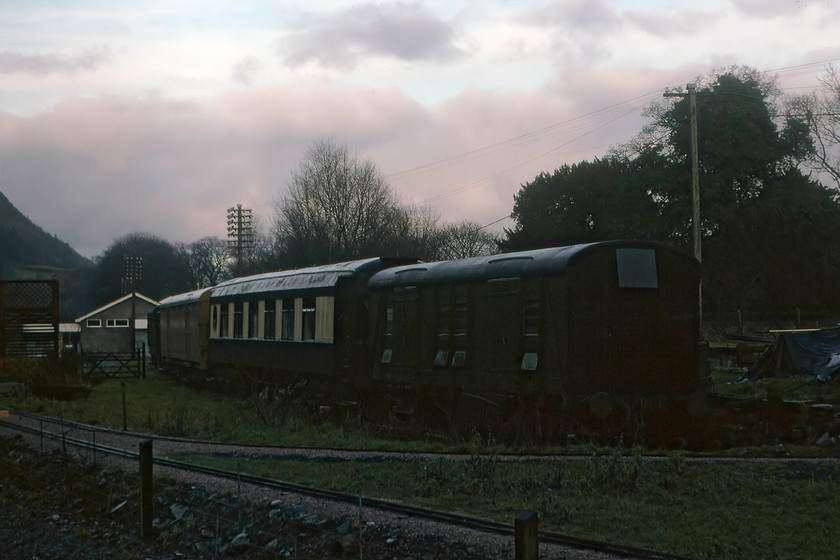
695, 175
133, 274
695, 167
240, 223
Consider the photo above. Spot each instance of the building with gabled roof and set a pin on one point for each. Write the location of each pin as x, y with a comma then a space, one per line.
118, 327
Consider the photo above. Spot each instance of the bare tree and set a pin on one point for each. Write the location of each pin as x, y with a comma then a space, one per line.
466, 239
209, 261
336, 207
822, 110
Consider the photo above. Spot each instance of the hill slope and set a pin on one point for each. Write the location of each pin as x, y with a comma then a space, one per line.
24, 245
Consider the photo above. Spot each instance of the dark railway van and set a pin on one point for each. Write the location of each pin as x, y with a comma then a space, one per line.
603, 329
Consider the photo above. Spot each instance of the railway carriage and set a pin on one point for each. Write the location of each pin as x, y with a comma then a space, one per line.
549, 340
599, 331
275, 327
179, 330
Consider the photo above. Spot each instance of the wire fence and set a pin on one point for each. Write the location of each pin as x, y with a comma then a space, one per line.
224, 520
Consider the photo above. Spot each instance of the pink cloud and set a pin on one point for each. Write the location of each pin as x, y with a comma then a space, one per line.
92, 169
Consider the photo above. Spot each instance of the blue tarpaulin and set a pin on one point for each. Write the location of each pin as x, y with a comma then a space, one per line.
800, 354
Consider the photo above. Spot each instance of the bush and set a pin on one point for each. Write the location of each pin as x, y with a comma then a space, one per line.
59, 377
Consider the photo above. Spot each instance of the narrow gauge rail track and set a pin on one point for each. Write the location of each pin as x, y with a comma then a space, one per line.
351, 453
440, 516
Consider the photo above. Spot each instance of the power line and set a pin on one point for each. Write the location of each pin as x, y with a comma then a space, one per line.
494, 222
477, 182
555, 129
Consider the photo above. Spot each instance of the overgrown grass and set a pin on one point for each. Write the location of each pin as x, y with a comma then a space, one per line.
726, 383
744, 511
162, 406
701, 510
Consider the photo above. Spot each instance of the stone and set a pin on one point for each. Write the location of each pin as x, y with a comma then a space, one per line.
119, 506
300, 511
178, 511
343, 528
825, 440
240, 542
347, 546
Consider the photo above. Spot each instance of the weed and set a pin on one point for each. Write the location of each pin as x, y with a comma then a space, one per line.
555, 507
676, 459
176, 422
481, 472
58, 377
433, 476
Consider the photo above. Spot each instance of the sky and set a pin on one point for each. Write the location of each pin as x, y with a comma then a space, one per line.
119, 116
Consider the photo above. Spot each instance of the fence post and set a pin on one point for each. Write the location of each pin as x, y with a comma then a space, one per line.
146, 490
125, 426
143, 361
527, 545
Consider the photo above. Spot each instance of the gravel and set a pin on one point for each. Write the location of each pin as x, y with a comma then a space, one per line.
196, 516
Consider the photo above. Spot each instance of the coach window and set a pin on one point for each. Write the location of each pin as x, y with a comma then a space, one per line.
388, 351
214, 321
442, 327
237, 320
459, 327
94, 323
287, 331
253, 316
530, 326
268, 319
636, 268
224, 320
324, 319
307, 319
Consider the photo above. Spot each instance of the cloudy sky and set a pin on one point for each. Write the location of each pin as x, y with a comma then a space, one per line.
156, 116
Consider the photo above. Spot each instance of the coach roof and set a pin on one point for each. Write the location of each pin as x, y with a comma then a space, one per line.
315, 278
183, 299
554, 260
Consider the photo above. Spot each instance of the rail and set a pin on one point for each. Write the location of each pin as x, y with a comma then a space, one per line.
440, 516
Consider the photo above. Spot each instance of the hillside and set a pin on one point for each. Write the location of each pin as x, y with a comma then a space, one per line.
28, 251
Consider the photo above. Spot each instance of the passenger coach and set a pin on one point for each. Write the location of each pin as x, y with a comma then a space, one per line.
271, 327
604, 328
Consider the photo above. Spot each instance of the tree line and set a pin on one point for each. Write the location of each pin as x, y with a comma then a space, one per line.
770, 227
336, 207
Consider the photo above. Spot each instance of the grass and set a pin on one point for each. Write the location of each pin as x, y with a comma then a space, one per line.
159, 405
726, 383
737, 510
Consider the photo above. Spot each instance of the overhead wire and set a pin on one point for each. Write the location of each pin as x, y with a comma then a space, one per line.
586, 123
553, 130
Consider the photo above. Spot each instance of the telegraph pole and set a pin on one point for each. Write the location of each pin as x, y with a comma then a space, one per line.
695, 175
695, 167
133, 274
240, 232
